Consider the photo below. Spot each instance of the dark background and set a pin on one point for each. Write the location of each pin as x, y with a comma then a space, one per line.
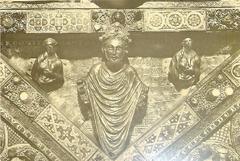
154, 44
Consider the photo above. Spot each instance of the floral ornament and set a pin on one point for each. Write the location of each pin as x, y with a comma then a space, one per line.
116, 30
224, 19
13, 22
65, 133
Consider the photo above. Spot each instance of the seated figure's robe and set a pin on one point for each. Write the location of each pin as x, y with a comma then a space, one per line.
48, 73
184, 71
115, 100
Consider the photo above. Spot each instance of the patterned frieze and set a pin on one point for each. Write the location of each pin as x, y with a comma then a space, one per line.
70, 137
212, 150
132, 19
211, 94
223, 19
5, 72
216, 89
235, 132
220, 143
180, 155
22, 94
13, 21
174, 20
168, 131
27, 134
59, 21
232, 71
22, 150
189, 4
85, 4
141, 20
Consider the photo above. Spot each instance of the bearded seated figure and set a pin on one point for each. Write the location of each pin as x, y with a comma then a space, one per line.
112, 95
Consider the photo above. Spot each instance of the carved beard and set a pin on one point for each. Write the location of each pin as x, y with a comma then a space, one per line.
114, 64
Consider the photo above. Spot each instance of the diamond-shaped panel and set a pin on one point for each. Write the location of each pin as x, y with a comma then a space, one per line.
66, 134
168, 131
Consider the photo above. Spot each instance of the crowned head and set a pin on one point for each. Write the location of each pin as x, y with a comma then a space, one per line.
115, 41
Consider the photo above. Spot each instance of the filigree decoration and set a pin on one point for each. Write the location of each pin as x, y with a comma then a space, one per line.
233, 71
5, 72
27, 134
24, 96
223, 19
85, 4
3, 135
132, 19
172, 128
222, 136
211, 95
24, 151
211, 150
188, 4
235, 132
13, 21
207, 131
174, 20
59, 21
66, 134
14, 138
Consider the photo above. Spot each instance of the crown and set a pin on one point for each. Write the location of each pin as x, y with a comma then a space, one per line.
116, 30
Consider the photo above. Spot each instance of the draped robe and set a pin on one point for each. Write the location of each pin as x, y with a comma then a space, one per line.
114, 98
48, 73
184, 71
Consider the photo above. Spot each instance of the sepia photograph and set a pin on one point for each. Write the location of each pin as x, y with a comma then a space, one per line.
119, 80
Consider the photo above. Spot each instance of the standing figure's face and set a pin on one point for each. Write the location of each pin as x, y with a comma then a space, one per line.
50, 48
187, 43
114, 50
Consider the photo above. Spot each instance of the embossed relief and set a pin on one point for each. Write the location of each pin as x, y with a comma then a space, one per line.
221, 145
168, 131
223, 19
132, 19
67, 129
19, 92
66, 134
167, 121
14, 147
174, 20
59, 21
235, 132
13, 21
5, 72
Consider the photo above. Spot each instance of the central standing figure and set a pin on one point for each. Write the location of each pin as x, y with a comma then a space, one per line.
113, 95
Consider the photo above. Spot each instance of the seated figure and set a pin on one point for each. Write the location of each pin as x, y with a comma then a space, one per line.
47, 70
112, 95
184, 69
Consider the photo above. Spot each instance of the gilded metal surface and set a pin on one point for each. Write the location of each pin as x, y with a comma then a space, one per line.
116, 102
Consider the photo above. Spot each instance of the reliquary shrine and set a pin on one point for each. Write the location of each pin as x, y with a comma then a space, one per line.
113, 81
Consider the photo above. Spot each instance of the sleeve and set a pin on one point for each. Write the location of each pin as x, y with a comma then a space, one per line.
35, 70
58, 72
196, 67
141, 109
83, 100
173, 69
